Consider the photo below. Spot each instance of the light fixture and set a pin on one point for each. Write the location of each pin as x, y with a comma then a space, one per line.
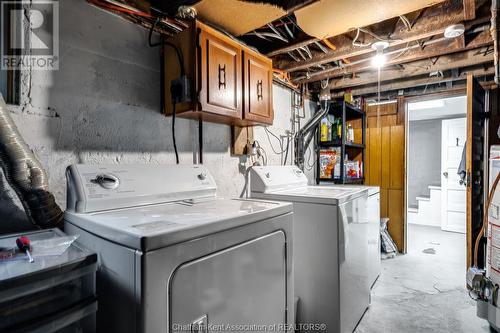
389, 101
454, 31
431, 104
379, 59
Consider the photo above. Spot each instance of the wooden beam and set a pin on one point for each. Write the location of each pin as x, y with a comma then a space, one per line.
416, 82
444, 63
292, 47
437, 49
469, 9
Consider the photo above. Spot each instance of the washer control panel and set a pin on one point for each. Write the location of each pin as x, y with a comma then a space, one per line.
273, 178
107, 181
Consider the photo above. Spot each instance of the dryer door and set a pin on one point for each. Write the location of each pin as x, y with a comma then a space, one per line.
241, 285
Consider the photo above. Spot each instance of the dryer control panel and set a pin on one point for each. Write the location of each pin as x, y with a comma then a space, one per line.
102, 187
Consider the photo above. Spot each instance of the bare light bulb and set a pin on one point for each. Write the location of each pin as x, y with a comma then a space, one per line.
379, 60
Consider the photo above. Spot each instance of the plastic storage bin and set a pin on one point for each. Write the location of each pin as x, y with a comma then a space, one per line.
52, 294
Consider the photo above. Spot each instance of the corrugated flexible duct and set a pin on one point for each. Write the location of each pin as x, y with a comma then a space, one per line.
25, 175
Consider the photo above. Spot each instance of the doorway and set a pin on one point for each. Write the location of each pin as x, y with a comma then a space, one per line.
436, 196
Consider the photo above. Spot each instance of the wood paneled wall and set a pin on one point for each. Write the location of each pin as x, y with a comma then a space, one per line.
385, 163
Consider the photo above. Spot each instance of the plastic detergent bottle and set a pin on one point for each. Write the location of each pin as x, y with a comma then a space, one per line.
324, 130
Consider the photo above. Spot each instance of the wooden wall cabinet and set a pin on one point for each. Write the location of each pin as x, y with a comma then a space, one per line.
230, 83
258, 88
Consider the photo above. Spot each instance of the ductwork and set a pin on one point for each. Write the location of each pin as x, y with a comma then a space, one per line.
304, 136
494, 35
25, 175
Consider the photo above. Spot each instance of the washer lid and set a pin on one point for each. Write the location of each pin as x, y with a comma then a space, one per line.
151, 227
316, 194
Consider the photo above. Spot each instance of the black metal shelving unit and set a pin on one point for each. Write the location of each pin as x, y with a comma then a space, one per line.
347, 112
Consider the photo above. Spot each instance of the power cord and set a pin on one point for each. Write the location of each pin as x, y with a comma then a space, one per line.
179, 88
173, 134
178, 51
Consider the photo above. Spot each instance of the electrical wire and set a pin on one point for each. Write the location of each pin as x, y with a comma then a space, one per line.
406, 22
180, 59
308, 165
355, 40
286, 150
270, 143
178, 51
173, 134
372, 34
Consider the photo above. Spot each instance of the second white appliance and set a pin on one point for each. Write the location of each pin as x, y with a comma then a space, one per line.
330, 247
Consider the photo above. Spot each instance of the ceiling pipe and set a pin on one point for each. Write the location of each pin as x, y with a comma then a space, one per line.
25, 175
494, 35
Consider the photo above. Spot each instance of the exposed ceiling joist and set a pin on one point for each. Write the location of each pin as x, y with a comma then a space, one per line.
334, 17
437, 48
293, 47
469, 9
458, 60
432, 23
417, 82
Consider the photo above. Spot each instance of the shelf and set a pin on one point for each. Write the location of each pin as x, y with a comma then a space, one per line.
345, 181
338, 143
355, 150
354, 181
351, 112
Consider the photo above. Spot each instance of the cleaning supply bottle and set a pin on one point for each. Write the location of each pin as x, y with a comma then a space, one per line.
350, 133
324, 130
334, 129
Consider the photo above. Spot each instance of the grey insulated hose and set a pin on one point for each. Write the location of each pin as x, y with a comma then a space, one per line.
25, 175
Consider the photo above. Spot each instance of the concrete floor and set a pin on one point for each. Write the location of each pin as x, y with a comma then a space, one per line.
424, 290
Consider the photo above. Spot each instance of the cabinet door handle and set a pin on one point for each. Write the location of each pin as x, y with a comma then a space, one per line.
222, 76
259, 90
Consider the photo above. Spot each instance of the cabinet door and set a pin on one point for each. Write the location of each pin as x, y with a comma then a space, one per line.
258, 85
220, 75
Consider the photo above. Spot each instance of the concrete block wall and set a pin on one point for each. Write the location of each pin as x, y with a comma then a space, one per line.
103, 106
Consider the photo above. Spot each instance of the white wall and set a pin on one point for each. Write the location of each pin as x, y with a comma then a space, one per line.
424, 157
103, 106
424, 151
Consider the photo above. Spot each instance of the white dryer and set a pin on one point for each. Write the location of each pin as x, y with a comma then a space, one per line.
330, 247
174, 257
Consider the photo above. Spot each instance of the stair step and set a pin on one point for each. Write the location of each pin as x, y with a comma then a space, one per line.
434, 187
412, 210
423, 198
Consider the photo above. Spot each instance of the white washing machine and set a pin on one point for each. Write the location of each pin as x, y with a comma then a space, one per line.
330, 247
373, 207
174, 257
